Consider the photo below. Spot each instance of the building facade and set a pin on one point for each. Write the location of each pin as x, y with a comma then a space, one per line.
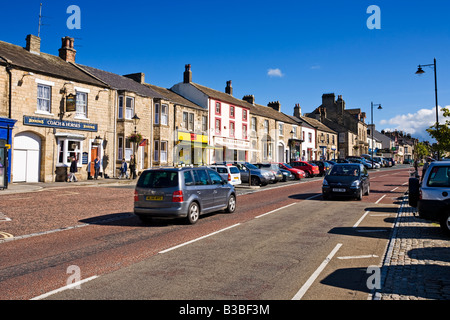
61, 112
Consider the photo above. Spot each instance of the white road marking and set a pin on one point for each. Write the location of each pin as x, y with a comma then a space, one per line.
70, 286
358, 257
394, 189
360, 219
307, 285
376, 202
197, 239
264, 214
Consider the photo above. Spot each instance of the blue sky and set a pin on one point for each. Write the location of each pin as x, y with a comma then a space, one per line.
312, 48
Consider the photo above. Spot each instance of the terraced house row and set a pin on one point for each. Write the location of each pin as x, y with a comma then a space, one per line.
53, 109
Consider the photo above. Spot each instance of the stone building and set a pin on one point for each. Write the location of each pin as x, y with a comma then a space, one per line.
274, 136
131, 108
348, 123
60, 111
180, 130
325, 138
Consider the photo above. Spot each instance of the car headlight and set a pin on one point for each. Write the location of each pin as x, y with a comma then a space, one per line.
355, 184
265, 173
325, 183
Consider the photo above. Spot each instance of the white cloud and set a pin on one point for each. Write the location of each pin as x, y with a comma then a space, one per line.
414, 123
315, 67
275, 73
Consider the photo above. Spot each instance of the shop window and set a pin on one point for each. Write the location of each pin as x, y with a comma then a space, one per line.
67, 149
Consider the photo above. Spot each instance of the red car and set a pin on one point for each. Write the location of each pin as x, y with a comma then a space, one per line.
298, 173
311, 170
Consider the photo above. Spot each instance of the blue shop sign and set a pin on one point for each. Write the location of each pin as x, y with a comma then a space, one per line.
61, 124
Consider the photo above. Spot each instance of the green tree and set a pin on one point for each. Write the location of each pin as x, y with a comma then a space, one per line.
441, 133
421, 150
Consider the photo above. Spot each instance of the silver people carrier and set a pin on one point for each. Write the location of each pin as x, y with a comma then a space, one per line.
182, 192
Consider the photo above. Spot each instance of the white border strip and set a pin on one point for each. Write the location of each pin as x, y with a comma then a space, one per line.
197, 239
69, 286
307, 285
360, 219
264, 214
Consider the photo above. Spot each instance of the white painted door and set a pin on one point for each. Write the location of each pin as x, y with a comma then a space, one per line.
26, 156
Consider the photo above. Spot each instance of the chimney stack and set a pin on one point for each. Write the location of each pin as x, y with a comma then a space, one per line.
297, 110
67, 52
275, 105
229, 88
138, 77
187, 74
33, 44
249, 98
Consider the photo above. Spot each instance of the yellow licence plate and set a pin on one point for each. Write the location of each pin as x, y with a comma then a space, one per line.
236, 178
154, 198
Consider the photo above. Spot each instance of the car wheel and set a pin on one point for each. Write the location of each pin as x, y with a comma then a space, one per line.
368, 190
193, 213
445, 224
360, 194
255, 181
145, 220
231, 204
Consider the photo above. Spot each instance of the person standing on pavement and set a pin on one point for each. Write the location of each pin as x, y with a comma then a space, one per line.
73, 170
132, 167
96, 167
123, 169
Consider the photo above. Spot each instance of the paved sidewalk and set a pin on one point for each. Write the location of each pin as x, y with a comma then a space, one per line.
417, 261
39, 186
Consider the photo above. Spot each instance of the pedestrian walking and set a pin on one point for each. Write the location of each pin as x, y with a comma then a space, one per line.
132, 167
123, 169
73, 170
96, 167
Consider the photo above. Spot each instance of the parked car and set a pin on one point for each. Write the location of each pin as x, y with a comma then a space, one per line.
324, 167
257, 177
431, 196
298, 173
311, 170
272, 167
346, 179
341, 161
361, 161
287, 175
182, 192
229, 173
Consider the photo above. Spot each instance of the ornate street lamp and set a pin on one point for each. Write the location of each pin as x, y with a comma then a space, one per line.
373, 126
420, 71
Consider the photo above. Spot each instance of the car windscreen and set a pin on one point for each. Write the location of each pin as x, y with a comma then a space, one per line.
344, 171
234, 170
439, 177
158, 179
250, 166
287, 166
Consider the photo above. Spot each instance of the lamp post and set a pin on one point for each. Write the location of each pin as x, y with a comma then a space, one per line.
420, 71
373, 126
136, 120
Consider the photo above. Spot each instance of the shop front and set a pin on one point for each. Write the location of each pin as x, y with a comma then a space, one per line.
45, 148
227, 149
191, 149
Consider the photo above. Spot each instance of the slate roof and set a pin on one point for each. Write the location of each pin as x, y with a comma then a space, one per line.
174, 97
317, 124
44, 63
118, 82
255, 109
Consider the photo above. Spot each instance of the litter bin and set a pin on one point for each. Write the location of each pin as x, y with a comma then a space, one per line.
61, 174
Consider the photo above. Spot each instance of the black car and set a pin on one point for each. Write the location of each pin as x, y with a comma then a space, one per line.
346, 179
324, 166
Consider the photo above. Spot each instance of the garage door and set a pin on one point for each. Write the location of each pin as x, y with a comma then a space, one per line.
26, 156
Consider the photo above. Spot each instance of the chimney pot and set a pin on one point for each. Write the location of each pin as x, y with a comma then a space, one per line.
229, 88
67, 52
249, 98
187, 76
275, 105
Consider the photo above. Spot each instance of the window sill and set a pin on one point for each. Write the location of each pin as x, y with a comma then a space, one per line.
44, 113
